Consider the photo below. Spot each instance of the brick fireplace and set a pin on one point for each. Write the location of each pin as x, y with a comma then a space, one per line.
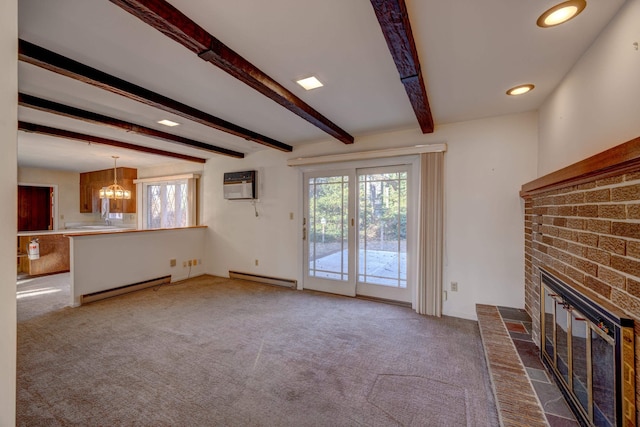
583, 222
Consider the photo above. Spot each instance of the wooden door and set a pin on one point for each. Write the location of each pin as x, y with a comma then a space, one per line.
34, 208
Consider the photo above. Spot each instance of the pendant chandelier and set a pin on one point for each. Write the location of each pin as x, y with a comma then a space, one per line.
114, 191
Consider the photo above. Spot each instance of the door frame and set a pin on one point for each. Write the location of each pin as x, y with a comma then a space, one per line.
413, 162
54, 208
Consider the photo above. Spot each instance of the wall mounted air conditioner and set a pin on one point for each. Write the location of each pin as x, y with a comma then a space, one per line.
239, 185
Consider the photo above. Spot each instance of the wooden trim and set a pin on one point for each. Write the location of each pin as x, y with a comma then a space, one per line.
614, 161
174, 24
60, 133
123, 231
41, 57
53, 107
394, 21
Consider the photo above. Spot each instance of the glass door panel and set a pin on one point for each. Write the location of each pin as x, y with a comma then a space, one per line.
579, 349
562, 341
549, 321
328, 232
382, 233
602, 356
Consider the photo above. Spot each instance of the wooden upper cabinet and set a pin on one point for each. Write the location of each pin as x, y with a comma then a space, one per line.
92, 182
86, 195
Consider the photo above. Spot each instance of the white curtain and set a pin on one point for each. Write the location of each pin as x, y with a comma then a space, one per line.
430, 235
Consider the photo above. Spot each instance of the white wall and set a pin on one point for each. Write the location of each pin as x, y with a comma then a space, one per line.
597, 105
8, 209
236, 237
487, 162
68, 192
133, 257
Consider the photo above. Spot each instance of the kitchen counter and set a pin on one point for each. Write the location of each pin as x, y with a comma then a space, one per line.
73, 231
127, 230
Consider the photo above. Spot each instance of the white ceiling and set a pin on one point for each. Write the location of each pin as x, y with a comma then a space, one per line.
471, 52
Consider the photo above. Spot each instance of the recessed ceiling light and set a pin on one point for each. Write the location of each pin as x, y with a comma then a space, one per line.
561, 13
168, 123
310, 83
520, 89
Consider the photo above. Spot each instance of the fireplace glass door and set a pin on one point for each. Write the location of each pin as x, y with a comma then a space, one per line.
581, 354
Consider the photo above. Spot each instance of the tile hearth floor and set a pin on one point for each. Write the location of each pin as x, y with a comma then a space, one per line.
501, 327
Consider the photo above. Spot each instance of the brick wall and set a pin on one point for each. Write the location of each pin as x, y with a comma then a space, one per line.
591, 234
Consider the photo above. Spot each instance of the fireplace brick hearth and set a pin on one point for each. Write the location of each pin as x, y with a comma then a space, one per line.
584, 223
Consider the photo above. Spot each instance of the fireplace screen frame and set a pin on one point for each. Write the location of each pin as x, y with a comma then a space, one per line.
605, 325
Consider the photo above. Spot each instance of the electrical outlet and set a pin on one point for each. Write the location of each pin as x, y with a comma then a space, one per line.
184, 263
256, 262
200, 261
454, 286
190, 263
172, 262
195, 262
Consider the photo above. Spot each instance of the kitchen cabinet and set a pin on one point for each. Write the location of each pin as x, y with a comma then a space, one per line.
86, 193
92, 182
54, 255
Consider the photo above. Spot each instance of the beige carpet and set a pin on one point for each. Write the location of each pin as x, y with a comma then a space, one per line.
213, 351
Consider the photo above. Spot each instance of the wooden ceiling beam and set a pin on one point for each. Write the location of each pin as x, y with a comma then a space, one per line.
66, 134
174, 24
44, 58
394, 21
99, 119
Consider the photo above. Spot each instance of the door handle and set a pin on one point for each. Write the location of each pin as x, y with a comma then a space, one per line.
304, 233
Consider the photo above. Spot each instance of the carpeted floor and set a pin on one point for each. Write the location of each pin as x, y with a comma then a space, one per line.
211, 351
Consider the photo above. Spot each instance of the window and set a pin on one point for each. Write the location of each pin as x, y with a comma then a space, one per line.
167, 202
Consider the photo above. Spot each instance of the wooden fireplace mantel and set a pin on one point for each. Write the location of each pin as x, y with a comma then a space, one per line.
614, 161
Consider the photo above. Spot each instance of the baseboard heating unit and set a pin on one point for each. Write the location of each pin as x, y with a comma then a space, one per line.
288, 283
96, 296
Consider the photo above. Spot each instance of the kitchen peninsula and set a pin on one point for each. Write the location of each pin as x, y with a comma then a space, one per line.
54, 249
102, 262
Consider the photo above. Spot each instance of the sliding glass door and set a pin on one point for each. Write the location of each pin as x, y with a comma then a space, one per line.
355, 230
